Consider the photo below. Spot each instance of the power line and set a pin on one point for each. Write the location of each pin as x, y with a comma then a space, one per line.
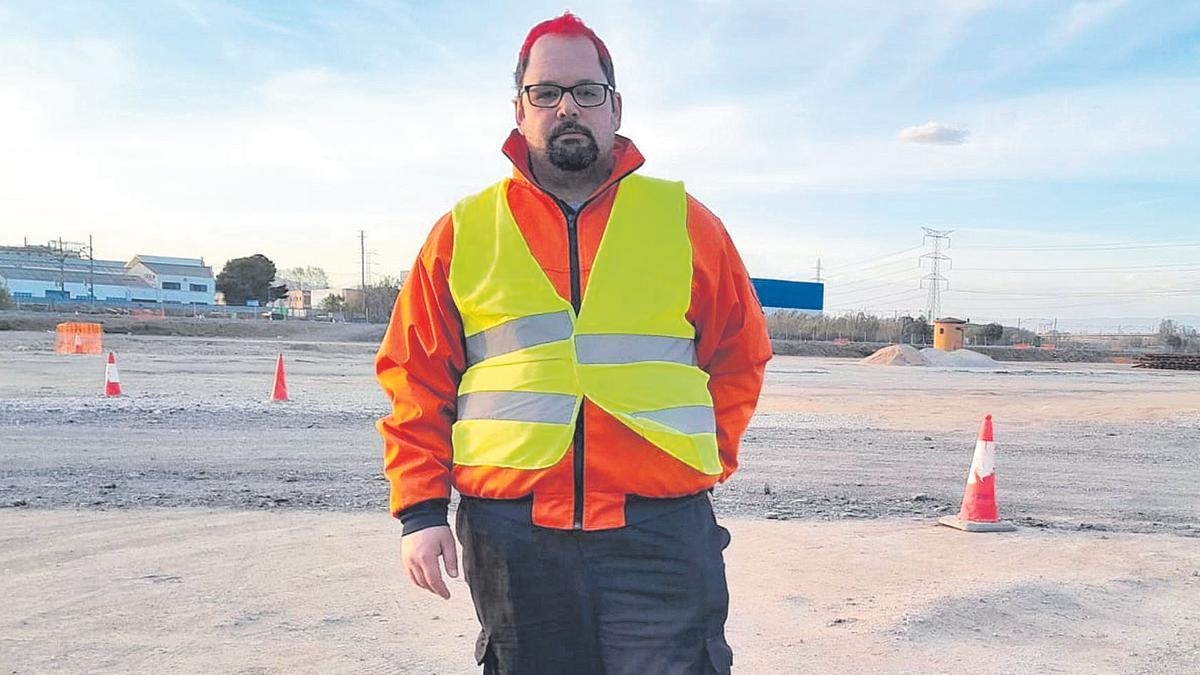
1115, 246
909, 281
896, 312
1088, 294
1166, 267
859, 298
877, 297
882, 271
1102, 301
854, 287
872, 259
911, 293
868, 263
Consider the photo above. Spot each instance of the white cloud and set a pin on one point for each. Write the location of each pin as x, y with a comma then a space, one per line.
932, 133
1113, 132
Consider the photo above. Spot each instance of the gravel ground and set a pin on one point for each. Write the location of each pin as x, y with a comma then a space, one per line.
194, 429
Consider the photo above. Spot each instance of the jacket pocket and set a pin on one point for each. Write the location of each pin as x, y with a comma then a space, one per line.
720, 655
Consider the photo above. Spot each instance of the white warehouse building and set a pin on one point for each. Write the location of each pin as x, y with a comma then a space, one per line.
183, 280
38, 274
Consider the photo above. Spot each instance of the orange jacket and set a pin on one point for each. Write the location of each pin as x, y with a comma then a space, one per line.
422, 358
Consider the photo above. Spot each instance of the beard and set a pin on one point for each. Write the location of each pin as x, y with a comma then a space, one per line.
573, 155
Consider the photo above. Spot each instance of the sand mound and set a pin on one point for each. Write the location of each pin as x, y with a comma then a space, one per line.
896, 355
959, 358
907, 355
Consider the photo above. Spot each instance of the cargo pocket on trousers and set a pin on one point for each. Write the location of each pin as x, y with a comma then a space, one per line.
481, 648
720, 655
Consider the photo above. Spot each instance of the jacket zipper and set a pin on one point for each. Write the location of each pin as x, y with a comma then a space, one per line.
576, 302
572, 217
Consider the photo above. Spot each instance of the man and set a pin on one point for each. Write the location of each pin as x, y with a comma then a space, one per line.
577, 351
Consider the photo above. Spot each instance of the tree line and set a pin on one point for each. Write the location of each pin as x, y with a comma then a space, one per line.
863, 327
254, 279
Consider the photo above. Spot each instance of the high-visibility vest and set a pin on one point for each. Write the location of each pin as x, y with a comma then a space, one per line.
630, 350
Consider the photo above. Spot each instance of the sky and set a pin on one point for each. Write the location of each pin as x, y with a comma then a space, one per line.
1059, 141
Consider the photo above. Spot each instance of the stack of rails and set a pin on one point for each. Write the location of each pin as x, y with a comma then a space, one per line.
1169, 361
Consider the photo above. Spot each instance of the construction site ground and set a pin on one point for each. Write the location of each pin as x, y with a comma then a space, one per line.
191, 526
301, 329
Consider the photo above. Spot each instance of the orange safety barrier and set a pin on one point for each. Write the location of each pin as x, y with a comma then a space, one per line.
79, 338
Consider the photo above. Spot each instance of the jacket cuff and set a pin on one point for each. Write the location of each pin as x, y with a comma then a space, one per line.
423, 515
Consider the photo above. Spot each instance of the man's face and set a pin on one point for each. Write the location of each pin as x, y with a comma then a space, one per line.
570, 137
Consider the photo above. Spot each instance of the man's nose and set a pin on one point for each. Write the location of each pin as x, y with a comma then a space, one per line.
567, 107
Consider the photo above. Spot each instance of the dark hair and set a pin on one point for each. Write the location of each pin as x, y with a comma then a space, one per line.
567, 25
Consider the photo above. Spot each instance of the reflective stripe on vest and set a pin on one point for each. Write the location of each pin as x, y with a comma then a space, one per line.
690, 419
517, 406
531, 359
597, 349
531, 331
520, 333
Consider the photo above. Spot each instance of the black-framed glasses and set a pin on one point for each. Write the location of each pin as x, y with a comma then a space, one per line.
586, 94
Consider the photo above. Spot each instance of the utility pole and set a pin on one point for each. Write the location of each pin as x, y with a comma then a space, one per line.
818, 270
76, 251
91, 272
62, 266
937, 282
362, 252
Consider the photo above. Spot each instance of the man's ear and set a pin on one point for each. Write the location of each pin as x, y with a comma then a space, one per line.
616, 110
519, 112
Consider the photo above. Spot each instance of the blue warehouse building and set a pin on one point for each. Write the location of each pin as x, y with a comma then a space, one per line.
781, 294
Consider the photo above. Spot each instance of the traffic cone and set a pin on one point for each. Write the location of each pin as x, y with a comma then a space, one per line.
112, 380
280, 392
78, 347
979, 512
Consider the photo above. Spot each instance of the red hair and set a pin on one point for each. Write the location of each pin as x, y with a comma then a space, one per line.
567, 25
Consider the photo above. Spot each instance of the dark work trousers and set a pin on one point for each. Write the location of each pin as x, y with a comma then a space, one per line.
649, 598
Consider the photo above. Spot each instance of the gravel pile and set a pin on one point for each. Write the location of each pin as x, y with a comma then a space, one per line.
896, 355
959, 358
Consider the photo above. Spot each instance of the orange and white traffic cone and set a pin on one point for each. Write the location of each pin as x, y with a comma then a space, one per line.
280, 389
979, 512
77, 348
112, 380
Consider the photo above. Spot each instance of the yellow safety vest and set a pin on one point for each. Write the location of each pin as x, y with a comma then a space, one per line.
531, 360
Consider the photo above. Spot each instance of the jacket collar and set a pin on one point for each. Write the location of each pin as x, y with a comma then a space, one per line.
627, 159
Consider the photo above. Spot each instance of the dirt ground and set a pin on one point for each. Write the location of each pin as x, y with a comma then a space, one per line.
191, 526
202, 591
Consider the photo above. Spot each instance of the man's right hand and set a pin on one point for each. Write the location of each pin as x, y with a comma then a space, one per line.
420, 552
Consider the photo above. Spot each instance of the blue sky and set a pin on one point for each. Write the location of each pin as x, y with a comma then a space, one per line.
1060, 140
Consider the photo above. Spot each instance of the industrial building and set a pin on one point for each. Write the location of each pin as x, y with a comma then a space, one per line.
178, 280
49, 274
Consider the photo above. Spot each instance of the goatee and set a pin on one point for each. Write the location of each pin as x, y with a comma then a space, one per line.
572, 156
